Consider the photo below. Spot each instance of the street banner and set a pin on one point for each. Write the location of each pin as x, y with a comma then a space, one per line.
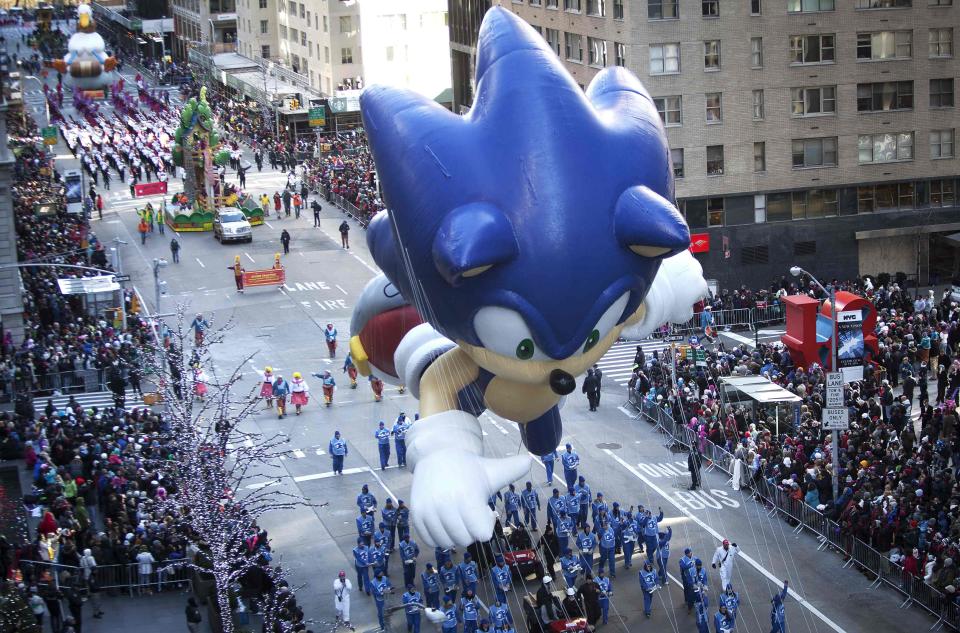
150, 188
850, 345
268, 277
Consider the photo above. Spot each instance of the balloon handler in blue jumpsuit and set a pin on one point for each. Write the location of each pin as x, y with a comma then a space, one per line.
649, 586
700, 604
778, 615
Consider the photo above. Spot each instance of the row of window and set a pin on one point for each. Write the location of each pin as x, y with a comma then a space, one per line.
810, 101
808, 49
818, 203
807, 153
670, 9
573, 48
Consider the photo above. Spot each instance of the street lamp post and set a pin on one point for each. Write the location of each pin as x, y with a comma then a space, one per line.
796, 271
157, 284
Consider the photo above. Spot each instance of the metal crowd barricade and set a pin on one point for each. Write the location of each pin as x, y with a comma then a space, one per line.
122, 577
766, 315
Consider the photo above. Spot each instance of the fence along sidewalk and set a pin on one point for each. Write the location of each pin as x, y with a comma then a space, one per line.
857, 552
123, 577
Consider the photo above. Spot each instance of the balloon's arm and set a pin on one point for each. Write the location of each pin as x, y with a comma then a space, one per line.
443, 380
678, 285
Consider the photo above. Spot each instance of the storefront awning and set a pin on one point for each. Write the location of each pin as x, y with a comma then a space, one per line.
760, 389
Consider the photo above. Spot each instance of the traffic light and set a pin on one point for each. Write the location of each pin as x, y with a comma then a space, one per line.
134, 305
294, 104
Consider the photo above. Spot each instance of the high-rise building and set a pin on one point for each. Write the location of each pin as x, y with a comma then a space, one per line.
810, 132
209, 25
342, 45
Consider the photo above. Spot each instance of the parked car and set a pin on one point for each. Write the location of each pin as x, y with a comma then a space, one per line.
230, 225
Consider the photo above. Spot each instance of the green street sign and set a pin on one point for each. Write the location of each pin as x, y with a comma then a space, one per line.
50, 134
317, 117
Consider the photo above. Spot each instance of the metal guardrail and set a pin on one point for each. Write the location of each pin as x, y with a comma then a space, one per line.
124, 577
349, 208
804, 517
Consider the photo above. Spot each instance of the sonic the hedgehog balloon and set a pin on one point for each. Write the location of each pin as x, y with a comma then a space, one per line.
527, 235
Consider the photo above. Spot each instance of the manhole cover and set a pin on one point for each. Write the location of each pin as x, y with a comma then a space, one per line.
609, 446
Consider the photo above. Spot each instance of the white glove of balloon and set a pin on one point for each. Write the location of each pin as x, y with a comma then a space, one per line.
678, 285
452, 480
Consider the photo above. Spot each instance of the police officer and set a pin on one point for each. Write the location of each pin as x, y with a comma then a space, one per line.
648, 585
412, 601
338, 450
571, 461
430, 580
409, 551
399, 431
381, 587
389, 516
501, 578
549, 460
383, 444
530, 501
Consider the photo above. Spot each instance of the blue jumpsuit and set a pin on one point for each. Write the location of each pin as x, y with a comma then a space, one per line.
629, 537
408, 554
412, 610
338, 450
431, 588
732, 602
571, 461
361, 561
608, 544
778, 615
467, 571
586, 543
399, 431
511, 506
651, 528
365, 528
383, 445
571, 568
663, 554
389, 516
530, 501
381, 586
502, 580
548, 462
703, 619
648, 584
582, 490
686, 576
606, 590
449, 579
722, 623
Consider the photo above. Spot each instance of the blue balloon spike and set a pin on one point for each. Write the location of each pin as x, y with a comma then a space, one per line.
544, 200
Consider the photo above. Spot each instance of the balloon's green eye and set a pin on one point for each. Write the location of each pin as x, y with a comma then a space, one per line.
525, 349
592, 340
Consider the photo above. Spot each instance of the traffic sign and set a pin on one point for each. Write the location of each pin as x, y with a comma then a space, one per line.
836, 419
50, 134
317, 116
700, 356
121, 278
834, 390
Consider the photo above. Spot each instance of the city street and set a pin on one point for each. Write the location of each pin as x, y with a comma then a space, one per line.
622, 457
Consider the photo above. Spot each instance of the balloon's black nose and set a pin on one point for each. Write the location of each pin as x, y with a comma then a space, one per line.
561, 382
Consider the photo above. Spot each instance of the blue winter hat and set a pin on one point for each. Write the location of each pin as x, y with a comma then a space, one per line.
687, 550
698, 563
498, 559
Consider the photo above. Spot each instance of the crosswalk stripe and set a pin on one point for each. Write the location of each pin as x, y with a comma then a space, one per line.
99, 399
617, 363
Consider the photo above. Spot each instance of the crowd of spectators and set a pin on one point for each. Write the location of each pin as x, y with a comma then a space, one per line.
899, 460
345, 168
99, 488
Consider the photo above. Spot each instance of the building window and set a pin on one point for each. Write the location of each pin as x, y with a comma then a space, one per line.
941, 144
280, 6
942, 193
346, 24
617, 9
263, 4
571, 5
265, 51
598, 51
885, 45
346, 55
303, 38
714, 160
813, 101
941, 93
710, 8
715, 211
670, 109
814, 152
810, 6
664, 59
552, 4
303, 11
324, 24
755, 7
812, 49
596, 8
536, 3
711, 55
676, 157
758, 105
283, 32
885, 148
310, 48
621, 53
553, 39
292, 8
756, 52
760, 208
573, 47
930, 3
941, 42
883, 96
294, 35
308, 18
714, 107
812, 204
759, 157
326, 54
264, 26
663, 9
884, 4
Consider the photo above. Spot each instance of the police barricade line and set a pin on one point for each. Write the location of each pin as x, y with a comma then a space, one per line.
766, 315
112, 577
736, 317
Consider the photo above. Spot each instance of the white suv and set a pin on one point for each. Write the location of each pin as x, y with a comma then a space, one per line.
231, 225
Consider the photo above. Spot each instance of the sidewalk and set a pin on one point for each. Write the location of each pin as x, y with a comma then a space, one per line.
159, 613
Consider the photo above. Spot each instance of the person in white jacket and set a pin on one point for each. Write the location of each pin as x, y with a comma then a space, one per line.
145, 561
87, 563
723, 560
341, 599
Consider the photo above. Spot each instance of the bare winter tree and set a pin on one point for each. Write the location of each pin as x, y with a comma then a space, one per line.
226, 476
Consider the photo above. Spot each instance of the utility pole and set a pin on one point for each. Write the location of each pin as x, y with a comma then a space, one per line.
118, 266
157, 284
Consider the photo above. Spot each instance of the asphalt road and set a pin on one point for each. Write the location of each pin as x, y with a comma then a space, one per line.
621, 457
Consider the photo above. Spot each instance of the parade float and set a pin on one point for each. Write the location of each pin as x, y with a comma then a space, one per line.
197, 150
86, 64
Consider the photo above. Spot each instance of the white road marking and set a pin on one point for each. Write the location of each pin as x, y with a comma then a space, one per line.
368, 266
299, 454
746, 558
199, 262
250, 258
340, 288
268, 224
739, 337
497, 424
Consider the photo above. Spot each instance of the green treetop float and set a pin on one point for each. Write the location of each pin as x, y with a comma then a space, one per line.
197, 149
